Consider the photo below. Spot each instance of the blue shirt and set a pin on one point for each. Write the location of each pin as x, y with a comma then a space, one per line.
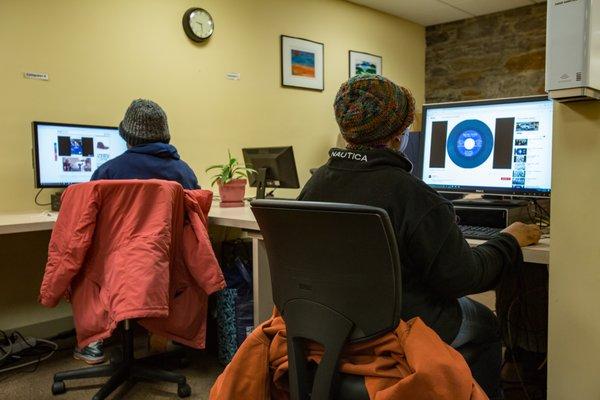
149, 161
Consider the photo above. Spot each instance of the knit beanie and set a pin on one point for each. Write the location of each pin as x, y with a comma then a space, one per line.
144, 122
370, 109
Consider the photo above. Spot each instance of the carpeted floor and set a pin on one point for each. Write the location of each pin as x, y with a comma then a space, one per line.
201, 374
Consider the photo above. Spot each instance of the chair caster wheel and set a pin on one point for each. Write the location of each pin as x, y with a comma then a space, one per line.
58, 388
184, 390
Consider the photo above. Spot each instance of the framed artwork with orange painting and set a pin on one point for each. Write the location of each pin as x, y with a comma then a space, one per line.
302, 63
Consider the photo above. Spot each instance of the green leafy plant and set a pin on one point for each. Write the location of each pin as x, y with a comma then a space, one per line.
230, 171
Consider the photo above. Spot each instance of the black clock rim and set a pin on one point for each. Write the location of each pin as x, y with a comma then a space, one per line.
186, 25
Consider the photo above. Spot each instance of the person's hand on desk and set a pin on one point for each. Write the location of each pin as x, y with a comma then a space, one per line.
526, 234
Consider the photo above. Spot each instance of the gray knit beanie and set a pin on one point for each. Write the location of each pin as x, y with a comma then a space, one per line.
144, 122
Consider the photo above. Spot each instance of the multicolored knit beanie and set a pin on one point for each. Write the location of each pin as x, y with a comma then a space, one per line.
370, 109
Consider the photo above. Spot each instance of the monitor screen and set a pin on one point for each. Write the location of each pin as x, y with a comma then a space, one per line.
498, 146
66, 154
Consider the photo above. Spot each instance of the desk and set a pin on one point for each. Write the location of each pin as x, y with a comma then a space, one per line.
238, 217
27, 222
235, 217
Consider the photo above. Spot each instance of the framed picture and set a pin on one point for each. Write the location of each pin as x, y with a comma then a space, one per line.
302, 63
364, 63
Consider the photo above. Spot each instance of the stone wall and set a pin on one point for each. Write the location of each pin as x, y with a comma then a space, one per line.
492, 56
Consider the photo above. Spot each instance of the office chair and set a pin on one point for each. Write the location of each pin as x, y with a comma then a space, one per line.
124, 368
335, 274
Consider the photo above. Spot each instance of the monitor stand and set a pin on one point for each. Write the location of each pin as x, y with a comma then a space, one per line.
491, 200
261, 183
452, 196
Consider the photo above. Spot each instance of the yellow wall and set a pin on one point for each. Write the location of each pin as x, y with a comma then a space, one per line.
574, 331
102, 54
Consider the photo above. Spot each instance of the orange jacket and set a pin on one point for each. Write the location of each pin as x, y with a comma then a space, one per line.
410, 363
125, 249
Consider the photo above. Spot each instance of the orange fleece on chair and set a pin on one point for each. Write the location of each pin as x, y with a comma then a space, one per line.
133, 249
411, 362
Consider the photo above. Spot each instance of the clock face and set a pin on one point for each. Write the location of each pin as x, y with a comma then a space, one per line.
200, 23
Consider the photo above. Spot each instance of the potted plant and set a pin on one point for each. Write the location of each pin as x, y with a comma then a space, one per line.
231, 179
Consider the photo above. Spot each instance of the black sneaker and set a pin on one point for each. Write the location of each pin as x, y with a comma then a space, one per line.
91, 354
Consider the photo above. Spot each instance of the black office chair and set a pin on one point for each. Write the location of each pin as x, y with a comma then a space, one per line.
124, 368
335, 274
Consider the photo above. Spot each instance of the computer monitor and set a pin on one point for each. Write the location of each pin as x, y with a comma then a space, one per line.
413, 152
275, 166
501, 147
67, 153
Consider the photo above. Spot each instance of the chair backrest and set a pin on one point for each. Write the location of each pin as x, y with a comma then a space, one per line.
335, 275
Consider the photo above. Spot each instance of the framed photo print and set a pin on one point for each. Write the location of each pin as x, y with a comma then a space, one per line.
364, 63
302, 63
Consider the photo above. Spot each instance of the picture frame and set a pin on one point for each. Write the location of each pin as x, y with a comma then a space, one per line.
364, 63
302, 63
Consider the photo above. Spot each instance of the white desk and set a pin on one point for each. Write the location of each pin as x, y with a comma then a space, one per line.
236, 217
239, 217
27, 222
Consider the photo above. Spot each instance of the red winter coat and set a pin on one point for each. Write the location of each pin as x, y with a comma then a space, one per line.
125, 249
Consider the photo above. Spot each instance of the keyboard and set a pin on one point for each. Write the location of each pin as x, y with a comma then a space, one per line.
479, 232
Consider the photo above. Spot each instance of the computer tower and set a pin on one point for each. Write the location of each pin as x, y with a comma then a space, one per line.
491, 216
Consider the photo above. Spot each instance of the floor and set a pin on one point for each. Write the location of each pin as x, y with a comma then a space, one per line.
201, 374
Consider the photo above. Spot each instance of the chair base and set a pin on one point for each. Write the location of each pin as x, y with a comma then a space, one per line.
121, 371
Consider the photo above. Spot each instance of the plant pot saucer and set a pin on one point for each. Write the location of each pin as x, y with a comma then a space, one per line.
226, 204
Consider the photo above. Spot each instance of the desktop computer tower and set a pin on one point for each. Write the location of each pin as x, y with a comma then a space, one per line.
491, 216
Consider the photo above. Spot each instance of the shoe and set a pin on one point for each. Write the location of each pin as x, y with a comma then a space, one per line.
91, 354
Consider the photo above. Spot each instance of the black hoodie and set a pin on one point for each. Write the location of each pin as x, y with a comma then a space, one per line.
438, 265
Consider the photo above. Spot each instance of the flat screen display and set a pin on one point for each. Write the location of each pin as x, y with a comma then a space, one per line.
499, 147
67, 153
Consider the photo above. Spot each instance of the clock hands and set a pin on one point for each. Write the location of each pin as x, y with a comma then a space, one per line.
201, 26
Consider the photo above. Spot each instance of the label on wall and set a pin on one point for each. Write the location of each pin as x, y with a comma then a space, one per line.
42, 76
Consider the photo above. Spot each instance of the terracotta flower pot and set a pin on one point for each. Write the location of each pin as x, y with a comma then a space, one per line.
232, 193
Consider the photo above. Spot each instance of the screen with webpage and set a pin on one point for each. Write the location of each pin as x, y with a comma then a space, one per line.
69, 154
503, 146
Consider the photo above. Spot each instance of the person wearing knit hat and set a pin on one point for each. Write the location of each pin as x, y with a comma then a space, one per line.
149, 156
439, 268
372, 110
149, 153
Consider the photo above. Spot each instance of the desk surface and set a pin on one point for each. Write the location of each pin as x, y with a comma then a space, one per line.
237, 217
27, 222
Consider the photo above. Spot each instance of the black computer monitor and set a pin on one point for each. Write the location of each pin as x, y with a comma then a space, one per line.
275, 166
499, 147
413, 152
70, 153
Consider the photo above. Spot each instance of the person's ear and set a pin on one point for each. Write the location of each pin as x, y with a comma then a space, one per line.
396, 141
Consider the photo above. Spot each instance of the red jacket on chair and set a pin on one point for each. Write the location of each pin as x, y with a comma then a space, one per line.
125, 249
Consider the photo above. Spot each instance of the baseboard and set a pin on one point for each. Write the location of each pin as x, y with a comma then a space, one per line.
47, 329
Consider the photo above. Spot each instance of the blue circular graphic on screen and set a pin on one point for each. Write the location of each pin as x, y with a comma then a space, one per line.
470, 143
